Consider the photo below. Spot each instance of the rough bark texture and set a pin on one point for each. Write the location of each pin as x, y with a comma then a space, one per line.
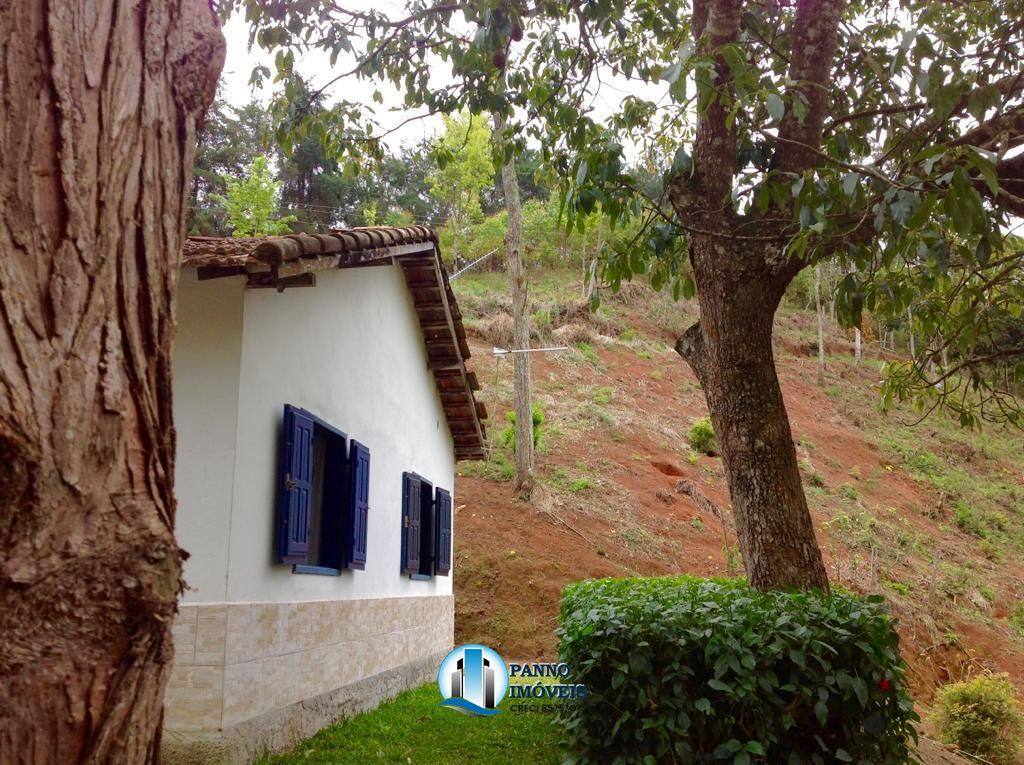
100, 102
521, 392
741, 269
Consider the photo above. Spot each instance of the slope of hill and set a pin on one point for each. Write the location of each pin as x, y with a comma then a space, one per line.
931, 517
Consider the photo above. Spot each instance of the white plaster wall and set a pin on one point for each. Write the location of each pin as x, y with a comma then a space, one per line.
207, 358
350, 351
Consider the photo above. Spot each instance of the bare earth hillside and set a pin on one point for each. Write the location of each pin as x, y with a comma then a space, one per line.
930, 516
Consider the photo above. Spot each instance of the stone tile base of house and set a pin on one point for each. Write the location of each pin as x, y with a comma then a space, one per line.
256, 677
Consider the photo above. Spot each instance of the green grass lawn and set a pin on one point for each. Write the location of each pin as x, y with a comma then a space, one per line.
414, 730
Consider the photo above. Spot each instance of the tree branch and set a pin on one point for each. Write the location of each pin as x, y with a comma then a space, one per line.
691, 346
814, 45
716, 142
1002, 132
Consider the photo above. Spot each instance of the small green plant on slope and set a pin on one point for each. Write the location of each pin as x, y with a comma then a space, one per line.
982, 717
702, 437
508, 435
496, 468
1017, 617
588, 352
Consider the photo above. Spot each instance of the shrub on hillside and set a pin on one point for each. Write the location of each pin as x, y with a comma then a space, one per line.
982, 717
684, 670
702, 437
1017, 617
508, 435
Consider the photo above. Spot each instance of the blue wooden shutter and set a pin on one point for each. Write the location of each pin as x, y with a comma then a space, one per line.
296, 486
443, 515
358, 506
411, 520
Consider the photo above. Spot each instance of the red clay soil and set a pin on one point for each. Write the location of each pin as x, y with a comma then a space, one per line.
626, 517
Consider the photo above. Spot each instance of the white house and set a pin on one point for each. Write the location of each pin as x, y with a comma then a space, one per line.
321, 399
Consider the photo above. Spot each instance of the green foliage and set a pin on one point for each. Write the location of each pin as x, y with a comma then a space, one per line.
251, 202
465, 169
588, 353
1017, 617
603, 395
982, 717
800, 292
702, 437
561, 479
679, 668
496, 468
230, 140
508, 435
969, 521
580, 485
899, 587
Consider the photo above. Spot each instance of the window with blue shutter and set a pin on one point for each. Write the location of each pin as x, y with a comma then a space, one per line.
443, 520
419, 527
358, 505
411, 516
296, 490
323, 497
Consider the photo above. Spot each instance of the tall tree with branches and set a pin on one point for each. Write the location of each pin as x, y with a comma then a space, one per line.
884, 135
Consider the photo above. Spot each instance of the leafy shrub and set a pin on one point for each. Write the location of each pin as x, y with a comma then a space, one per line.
1017, 617
496, 468
508, 435
684, 670
982, 717
702, 437
968, 520
588, 352
848, 491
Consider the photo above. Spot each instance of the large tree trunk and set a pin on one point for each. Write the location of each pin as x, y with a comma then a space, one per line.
741, 268
97, 134
730, 350
521, 393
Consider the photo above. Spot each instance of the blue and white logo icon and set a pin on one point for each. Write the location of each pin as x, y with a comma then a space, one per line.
473, 679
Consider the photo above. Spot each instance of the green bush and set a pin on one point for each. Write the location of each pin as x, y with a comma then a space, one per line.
508, 435
702, 437
684, 670
1017, 617
982, 717
969, 521
588, 352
